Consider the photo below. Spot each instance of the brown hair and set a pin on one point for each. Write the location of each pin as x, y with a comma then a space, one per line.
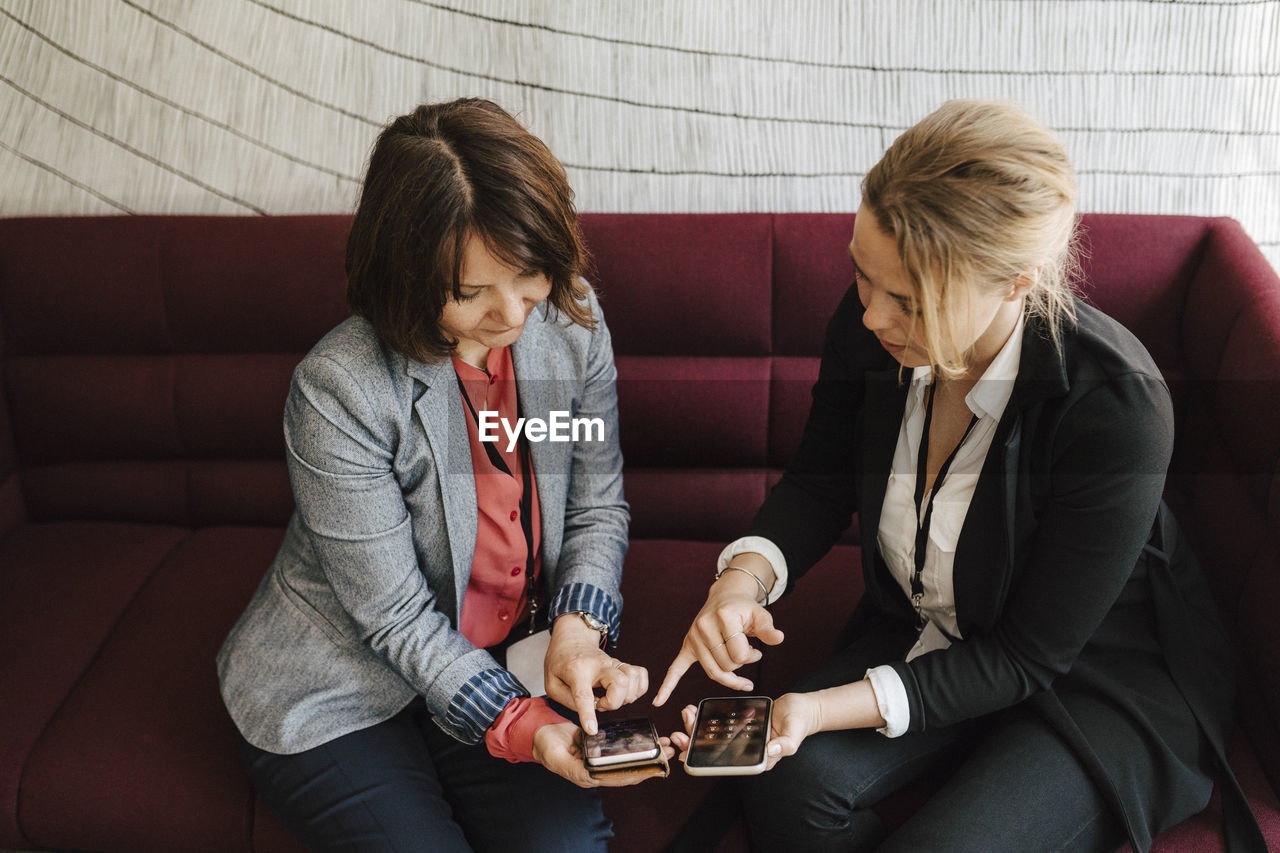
978, 192
436, 176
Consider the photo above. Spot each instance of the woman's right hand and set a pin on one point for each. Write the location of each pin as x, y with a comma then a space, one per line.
717, 639
556, 747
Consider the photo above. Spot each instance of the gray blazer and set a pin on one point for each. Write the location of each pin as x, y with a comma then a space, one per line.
359, 612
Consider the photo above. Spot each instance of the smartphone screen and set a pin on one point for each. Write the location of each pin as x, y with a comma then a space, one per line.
621, 741
730, 732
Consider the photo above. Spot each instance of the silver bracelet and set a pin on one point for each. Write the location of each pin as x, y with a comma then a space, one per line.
753, 575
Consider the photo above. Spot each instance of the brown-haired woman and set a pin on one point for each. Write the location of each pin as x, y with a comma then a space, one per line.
381, 676
1029, 601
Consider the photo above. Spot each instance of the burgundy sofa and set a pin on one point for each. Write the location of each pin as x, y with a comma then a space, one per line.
143, 492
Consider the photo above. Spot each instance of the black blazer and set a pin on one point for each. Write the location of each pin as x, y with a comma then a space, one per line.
1072, 586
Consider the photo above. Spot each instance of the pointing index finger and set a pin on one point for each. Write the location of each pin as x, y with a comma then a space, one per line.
675, 672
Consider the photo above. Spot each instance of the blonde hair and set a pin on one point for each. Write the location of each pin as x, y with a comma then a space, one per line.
978, 192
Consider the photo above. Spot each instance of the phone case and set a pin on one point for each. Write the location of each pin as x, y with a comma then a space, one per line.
729, 769
654, 767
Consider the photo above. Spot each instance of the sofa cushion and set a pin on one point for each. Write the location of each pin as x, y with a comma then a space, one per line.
707, 505
183, 493
790, 395
233, 286
1247, 391
1138, 270
154, 784
64, 588
151, 431
1231, 277
684, 284
148, 284
811, 272
78, 286
693, 412
146, 362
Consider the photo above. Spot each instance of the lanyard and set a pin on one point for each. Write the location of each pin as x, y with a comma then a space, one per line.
923, 523
526, 499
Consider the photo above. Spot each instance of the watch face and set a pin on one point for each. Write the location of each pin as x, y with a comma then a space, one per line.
597, 625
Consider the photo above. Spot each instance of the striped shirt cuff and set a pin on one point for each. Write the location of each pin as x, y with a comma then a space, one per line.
591, 599
479, 702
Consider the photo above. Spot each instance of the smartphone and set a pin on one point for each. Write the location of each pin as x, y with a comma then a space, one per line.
621, 744
729, 736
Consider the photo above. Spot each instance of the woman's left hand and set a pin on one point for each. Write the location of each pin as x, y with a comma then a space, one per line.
795, 716
576, 665
556, 748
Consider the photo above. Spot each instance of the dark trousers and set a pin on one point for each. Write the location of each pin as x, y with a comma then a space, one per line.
405, 785
1019, 787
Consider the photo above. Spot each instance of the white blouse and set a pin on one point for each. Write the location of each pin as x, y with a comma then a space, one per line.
898, 519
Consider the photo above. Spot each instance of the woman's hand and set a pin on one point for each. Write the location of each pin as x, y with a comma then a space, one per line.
556, 747
717, 639
795, 717
575, 665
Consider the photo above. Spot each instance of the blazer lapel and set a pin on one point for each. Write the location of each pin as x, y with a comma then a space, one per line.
443, 421
543, 387
986, 553
982, 570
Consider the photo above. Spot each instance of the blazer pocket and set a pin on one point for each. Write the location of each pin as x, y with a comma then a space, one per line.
310, 612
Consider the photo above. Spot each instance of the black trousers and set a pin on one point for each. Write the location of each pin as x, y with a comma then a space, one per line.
405, 785
1019, 786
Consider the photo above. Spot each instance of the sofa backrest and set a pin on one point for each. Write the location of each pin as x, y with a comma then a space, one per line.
718, 321
146, 360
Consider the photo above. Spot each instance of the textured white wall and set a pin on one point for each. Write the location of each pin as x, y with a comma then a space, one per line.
270, 106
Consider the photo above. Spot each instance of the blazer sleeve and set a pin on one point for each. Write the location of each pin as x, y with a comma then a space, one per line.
596, 515
340, 451
1105, 458
814, 502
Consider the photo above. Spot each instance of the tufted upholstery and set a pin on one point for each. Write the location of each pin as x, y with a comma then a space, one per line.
144, 363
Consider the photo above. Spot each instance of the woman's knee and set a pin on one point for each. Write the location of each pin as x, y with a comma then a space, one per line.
808, 802
573, 822
524, 807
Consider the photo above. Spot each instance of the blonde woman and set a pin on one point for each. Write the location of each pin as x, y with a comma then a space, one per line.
1005, 446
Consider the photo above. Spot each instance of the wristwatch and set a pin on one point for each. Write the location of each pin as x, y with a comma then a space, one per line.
595, 623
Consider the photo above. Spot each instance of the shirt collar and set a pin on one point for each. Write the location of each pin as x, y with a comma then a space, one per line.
497, 367
990, 394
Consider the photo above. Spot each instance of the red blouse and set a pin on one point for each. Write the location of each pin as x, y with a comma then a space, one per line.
495, 598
